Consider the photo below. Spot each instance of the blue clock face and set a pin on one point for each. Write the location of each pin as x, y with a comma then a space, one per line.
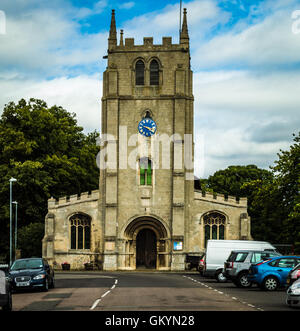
147, 127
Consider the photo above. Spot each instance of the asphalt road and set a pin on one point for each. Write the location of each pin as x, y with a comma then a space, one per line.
146, 291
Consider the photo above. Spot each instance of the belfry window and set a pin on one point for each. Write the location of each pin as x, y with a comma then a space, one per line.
140, 73
80, 230
214, 226
145, 171
154, 73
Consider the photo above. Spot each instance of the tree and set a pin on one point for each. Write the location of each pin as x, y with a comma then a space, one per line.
231, 180
29, 238
287, 177
48, 153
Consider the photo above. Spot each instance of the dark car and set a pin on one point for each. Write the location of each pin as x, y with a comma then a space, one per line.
5, 292
192, 261
31, 273
293, 275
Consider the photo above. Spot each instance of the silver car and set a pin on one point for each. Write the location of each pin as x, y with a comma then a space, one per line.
293, 294
237, 265
5, 292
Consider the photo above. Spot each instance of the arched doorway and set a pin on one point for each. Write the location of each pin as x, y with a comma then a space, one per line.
146, 249
147, 244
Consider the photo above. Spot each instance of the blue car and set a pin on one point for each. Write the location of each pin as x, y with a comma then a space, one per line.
271, 274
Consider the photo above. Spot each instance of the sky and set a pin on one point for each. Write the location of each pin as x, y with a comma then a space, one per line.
245, 56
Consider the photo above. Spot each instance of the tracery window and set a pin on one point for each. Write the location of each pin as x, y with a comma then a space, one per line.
214, 226
139, 73
154, 73
80, 229
145, 171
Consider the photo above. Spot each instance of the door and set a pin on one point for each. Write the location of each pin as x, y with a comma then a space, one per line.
146, 251
284, 266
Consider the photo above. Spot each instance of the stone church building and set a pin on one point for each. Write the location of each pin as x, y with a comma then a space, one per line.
146, 213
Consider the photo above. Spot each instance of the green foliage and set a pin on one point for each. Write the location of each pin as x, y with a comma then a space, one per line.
231, 180
273, 196
49, 155
30, 239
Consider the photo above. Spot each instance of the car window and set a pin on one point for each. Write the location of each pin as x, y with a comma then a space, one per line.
231, 257
240, 257
273, 263
286, 263
27, 264
258, 256
272, 254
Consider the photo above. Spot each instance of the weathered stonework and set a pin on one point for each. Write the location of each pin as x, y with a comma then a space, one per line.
122, 209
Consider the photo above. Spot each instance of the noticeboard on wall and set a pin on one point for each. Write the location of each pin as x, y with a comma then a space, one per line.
177, 246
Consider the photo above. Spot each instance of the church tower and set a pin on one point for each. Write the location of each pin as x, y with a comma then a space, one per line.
146, 213
146, 171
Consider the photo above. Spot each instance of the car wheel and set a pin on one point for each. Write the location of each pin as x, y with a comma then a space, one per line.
242, 280
46, 286
8, 306
220, 277
270, 283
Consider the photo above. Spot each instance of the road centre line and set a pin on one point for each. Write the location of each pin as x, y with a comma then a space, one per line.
95, 304
103, 295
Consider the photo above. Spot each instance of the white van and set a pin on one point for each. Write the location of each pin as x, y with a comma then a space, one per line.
217, 252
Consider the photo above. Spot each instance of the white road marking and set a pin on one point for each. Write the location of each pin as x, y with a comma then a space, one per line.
103, 295
233, 298
95, 304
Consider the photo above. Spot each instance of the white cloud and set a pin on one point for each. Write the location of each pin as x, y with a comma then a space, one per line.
201, 16
235, 110
265, 44
243, 118
46, 43
80, 95
127, 5
97, 8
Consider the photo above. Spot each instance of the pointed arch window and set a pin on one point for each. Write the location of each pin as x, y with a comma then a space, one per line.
214, 226
80, 230
154, 73
145, 171
139, 73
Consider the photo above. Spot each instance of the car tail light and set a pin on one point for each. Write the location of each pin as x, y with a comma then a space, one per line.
229, 265
297, 274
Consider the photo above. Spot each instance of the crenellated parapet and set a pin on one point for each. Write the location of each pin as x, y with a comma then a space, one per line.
73, 199
148, 45
220, 198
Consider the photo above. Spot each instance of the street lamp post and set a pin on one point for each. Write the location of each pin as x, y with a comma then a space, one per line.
10, 219
16, 227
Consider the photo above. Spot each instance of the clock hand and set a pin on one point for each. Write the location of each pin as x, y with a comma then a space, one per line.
150, 129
